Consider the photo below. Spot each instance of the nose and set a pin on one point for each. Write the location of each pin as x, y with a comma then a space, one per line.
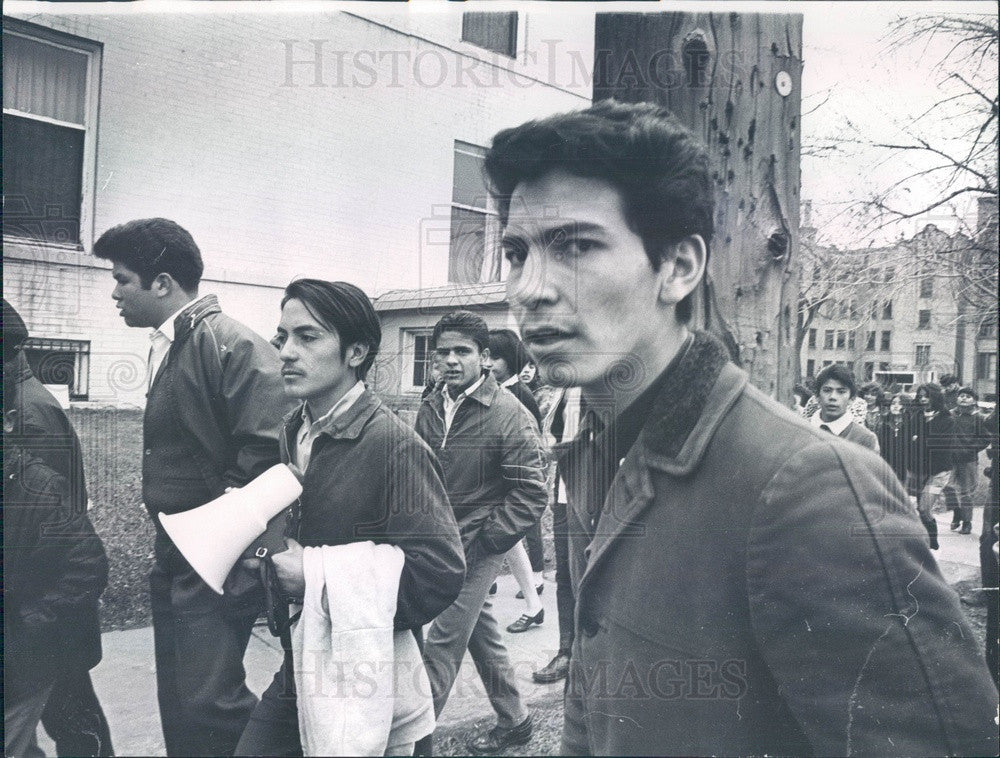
287, 353
535, 283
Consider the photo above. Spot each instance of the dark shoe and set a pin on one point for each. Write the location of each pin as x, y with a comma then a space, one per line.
500, 738
493, 589
524, 623
557, 669
955, 525
538, 589
966, 528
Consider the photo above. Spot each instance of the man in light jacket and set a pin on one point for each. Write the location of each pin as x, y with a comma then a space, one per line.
746, 584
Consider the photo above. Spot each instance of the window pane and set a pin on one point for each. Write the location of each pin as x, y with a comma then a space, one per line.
469, 184
468, 246
491, 31
42, 180
43, 79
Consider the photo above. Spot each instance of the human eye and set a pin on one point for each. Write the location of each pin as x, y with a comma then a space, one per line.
515, 251
278, 340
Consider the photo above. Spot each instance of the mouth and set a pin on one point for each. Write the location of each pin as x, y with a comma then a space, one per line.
289, 374
546, 336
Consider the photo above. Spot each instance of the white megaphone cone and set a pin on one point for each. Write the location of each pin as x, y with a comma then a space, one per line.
213, 536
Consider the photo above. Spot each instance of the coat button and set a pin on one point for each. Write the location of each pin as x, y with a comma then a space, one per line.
149, 451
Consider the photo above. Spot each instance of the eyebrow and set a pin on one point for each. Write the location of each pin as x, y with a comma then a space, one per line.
567, 228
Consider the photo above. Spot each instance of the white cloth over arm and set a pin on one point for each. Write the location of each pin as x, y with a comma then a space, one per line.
360, 685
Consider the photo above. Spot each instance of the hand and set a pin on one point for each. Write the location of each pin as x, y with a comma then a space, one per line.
288, 567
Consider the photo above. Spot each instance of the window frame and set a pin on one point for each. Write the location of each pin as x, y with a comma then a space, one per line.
515, 41
491, 211
81, 362
922, 351
93, 50
410, 337
921, 324
885, 341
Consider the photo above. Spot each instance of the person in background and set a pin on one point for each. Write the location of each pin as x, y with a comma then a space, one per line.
507, 352
894, 436
73, 716
800, 398
931, 440
970, 438
988, 556
214, 404
54, 571
874, 397
950, 387
494, 464
836, 391
858, 407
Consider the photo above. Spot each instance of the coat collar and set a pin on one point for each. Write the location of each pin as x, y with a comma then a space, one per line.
484, 394
347, 425
188, 318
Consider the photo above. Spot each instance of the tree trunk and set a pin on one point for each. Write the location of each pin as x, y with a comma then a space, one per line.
735, 80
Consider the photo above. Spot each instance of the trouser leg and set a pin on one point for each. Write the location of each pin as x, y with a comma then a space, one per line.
74, 719
493, 664
448, 635
199, 646
273, 729
565, 602
964, 479
22, 710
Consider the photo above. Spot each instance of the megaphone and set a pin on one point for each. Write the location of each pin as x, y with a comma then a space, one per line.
212, 537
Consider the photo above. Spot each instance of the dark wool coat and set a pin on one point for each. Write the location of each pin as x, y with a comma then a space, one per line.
54, 572
758, 586
370, 477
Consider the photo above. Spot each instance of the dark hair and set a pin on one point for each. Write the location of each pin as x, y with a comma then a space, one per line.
153, 246
873, 388
840, 373
341, 308
507, 345
660, 169
948, 379
467, 324
934, 393
802, 392
968, 391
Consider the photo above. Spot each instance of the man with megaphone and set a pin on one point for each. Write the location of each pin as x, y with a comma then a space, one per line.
214, 404
373, 552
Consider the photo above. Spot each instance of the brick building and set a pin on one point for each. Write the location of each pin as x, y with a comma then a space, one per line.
340, 145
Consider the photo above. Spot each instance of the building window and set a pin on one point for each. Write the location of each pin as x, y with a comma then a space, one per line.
65, 362
827, 363
419, 348
870, 343
828, 339
853, 308
869, 371
49, 106
923, 319
850, 367
986, 366
851, 340
923, 356
812, 337
886, 345
987, 329
883, 366
841, 339
890, 274
491, 31
810, 367
927, 286
842, 309
887, 310
475, 228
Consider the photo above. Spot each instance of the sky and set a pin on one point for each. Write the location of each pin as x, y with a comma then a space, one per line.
851, 71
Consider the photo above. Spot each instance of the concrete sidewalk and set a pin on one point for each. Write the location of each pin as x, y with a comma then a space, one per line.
126, 680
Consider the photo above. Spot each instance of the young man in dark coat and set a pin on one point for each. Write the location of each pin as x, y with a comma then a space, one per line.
494, 465
213, 412
836, 389
970, 438
73, 716
54, 572
746, 584
365, 476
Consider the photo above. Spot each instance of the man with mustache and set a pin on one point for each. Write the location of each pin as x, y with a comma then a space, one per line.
214, 405
745, 583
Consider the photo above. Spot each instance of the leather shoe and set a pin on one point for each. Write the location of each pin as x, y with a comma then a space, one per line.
524, 623
538, 589
556, 669
955, 525
499, 738
966, 528
493, 589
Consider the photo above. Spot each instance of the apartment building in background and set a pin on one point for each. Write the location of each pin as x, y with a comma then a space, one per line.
339, 145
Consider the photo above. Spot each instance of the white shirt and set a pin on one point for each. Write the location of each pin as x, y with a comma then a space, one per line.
161, 339
310, 429
837, 427
511, 381
451, 406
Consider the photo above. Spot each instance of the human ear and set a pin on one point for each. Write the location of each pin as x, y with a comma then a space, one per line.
683, 269
163, 284
356, 354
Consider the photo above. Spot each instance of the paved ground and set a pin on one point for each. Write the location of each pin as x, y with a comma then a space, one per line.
125, 679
